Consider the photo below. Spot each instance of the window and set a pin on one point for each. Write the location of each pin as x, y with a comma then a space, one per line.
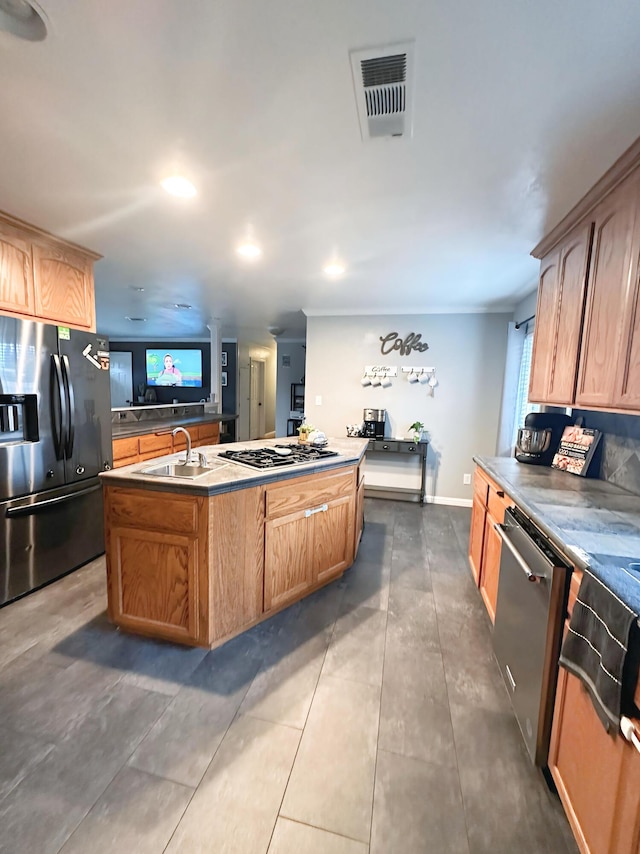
523, 407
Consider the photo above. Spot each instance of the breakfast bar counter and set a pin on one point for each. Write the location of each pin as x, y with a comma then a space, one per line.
198, 560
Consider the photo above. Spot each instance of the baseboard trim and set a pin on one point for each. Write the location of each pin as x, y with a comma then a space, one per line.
450, 502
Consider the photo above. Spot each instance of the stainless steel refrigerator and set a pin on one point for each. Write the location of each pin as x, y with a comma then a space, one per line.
55, 437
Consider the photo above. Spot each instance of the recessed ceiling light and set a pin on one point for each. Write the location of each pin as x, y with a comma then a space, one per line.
183, 306
249, 250
334, 268
24, 19
176, 185
139, 290
136, 319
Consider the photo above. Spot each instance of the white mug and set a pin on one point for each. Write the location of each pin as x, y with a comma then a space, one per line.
424, 378
366, 380
375, 380
433, 382
386, 382
413, 378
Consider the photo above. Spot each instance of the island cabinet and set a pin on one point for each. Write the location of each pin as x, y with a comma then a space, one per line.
489, 505
597, 775
587, 336
309, 534
199, 569
44, 278
146, 446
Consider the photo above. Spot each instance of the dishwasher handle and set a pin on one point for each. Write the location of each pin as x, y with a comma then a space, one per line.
531, 576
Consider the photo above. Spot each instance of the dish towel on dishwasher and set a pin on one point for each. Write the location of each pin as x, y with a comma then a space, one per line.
595, 648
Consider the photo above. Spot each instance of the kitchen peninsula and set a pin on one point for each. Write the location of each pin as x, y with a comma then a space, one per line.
201, 560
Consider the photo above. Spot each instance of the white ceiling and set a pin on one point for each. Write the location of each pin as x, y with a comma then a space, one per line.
519, 107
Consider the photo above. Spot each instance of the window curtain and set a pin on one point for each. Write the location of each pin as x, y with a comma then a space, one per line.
508, 414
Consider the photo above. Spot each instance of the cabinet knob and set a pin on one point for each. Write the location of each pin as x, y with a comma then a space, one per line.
500, 493
79, 469
386, 447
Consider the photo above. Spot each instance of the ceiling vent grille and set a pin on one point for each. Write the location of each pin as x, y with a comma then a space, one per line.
383, 81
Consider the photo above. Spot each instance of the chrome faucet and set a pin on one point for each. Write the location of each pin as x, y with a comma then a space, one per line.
187, 459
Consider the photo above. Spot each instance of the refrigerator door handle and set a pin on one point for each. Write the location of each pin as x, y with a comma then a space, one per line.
66, 370
31, 509
58, 406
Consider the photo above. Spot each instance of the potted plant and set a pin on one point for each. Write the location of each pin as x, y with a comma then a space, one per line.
303, 432
417, 427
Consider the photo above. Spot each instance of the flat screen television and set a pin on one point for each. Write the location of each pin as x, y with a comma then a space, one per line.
174, 367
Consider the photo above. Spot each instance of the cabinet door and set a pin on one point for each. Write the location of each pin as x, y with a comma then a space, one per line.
155, 445
125, 451
16, 272
490, 574
585, 763
359, 516
627, 392
287, 559
332, 539
543, 341
607, 298
63, 286
476, 537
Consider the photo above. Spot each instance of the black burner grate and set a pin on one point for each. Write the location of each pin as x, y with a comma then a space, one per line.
268, 458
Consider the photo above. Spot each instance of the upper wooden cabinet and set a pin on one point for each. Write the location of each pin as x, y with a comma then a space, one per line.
587, 339
44, 278
63, 285
561, 294
16, 272
608, 297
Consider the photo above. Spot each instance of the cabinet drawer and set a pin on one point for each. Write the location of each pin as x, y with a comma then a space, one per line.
153, 511
383, 445
498, 502
123, 448
305, 493
155, 442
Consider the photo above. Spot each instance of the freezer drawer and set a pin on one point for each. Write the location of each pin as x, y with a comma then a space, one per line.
47, 535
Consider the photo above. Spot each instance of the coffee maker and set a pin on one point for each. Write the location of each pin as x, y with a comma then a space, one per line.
538, 440
374, 422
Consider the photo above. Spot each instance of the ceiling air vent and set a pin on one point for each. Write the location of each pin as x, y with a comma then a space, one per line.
383, 81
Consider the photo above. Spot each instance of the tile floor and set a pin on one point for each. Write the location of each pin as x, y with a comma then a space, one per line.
370, 717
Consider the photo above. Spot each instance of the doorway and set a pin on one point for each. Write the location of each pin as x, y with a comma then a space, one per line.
256, 398
121, 378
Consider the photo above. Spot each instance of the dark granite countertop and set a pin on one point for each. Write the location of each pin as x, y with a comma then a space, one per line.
227, 476
596, 524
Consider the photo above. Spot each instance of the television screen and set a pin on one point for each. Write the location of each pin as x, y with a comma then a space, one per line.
174, 367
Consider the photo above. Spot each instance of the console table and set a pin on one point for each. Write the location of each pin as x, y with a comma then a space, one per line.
407, 447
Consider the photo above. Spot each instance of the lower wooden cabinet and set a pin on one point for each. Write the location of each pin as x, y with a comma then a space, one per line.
485, 545
597, 775
312, 543
200, 569
359, 526
138, 449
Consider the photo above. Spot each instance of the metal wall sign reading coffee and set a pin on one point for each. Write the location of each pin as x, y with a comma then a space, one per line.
392, 342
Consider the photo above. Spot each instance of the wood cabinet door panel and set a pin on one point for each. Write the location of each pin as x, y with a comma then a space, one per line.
156, 576
480, 486
16, 272
63, 286
476, 538
155, 511
333, 539
124, 449
627, 393
155, 443
208, 434
546, 319
607, 297
490, 574
572, 283
287, 561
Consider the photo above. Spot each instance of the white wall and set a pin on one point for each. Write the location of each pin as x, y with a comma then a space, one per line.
285, 376
468, 352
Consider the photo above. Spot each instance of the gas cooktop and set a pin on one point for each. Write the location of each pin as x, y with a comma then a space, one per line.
278, 456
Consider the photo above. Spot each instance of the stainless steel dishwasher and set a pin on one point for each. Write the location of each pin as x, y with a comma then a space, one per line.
530, 611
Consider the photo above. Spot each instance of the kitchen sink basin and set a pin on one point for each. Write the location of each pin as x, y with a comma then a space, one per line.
177, 470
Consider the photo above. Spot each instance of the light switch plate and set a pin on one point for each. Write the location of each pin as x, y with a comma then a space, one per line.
466, 479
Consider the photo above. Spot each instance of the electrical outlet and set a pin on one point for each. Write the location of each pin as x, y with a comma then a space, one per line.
318, 400
466, 479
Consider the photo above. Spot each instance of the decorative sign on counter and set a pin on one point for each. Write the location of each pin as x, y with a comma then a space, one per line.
392, 342
576, 450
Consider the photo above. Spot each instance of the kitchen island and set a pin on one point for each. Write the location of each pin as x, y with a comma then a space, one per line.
199, 561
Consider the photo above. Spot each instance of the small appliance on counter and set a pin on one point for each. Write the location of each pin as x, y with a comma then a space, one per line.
538, 440
374, 421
